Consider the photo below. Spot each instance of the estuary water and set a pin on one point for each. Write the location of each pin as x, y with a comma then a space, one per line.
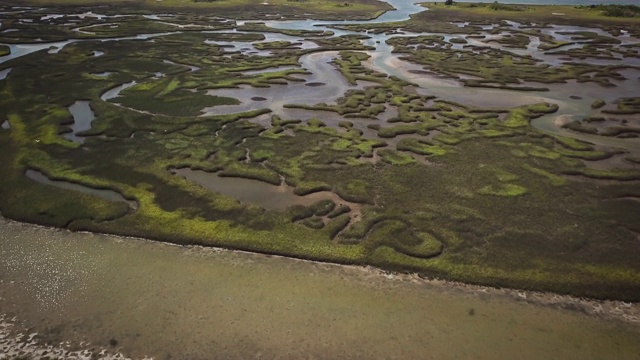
142, 298
81, 291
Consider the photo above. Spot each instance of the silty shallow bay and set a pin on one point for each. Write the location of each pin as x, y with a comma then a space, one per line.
166, 301
152, 299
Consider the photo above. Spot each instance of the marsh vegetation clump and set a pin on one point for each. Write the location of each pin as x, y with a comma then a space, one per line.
496, 6
5, 50
598, 104
615, 10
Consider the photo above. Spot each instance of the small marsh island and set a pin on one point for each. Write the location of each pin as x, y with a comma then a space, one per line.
488, 144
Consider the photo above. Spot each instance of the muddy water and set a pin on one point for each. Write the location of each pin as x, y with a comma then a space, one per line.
105, 194
18, 50
194, 303
384, 61
450, 89
255, 192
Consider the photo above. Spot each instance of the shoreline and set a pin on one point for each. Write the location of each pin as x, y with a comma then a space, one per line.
608, 310
22, 345
86, 295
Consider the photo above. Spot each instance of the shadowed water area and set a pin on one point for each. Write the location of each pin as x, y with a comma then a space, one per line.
4, 73
196, 303
82, 118
105, 194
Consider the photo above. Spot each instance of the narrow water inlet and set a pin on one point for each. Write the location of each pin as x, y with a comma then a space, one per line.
320, 69
4, 73
108, 195
115, 91
247, 191
83, 116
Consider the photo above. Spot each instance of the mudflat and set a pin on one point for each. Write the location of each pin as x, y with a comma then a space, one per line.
136, 298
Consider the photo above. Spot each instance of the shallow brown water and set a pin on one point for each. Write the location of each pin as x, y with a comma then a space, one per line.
109, 195
256, 192
193, 303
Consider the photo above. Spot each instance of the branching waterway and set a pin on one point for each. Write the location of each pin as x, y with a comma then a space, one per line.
333, 85
71, 295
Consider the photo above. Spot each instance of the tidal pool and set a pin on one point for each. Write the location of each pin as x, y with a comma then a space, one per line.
83, 116
102, 74
109, 195
166, 301
247, 191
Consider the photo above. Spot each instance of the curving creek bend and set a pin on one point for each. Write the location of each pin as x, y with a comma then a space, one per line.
71, 295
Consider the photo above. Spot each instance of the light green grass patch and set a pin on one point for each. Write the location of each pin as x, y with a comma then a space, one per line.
507, 190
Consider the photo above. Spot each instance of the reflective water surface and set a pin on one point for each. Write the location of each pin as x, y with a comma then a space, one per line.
256, 192
82, 118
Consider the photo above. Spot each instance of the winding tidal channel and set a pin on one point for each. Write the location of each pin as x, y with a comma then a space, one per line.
333, 86
71, 295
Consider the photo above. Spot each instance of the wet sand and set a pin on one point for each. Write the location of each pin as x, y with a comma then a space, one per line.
166, 301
